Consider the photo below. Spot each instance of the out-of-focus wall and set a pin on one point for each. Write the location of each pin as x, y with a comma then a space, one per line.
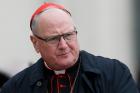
16, 50
104, 28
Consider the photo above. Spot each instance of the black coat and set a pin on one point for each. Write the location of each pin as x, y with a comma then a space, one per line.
97, 75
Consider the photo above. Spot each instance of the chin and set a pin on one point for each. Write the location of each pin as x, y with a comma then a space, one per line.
65, 65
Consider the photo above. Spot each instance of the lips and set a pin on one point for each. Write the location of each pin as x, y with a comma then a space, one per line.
63, 53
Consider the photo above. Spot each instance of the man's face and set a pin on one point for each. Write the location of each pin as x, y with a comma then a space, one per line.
64, 53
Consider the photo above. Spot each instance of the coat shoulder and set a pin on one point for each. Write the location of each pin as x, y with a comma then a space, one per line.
17, 80
104, 65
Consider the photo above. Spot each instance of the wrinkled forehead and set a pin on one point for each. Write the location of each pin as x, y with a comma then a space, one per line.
50, 15
52, 19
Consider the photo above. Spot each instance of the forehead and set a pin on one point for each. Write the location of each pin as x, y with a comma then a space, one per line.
54, 19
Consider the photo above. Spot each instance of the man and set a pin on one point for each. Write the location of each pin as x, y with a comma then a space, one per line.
63, 68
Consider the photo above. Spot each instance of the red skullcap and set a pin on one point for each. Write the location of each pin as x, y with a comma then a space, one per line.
44, 7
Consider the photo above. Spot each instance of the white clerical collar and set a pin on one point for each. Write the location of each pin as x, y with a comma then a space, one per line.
55, 71
59, 72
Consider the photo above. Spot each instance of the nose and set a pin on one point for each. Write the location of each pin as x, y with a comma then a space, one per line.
62, 44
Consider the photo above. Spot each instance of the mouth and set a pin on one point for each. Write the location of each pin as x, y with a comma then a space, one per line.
64, 54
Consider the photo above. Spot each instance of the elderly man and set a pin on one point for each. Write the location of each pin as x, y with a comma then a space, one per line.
63, 68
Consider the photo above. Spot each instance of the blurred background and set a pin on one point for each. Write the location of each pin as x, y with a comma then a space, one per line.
109, 28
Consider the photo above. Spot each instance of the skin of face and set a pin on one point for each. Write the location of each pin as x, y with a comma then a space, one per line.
65, 54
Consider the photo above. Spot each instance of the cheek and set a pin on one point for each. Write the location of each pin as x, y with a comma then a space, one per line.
75, 48
47, 51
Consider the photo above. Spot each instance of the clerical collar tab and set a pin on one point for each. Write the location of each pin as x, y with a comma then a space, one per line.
60, 72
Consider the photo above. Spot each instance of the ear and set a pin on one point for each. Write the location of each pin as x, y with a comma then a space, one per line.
35, 43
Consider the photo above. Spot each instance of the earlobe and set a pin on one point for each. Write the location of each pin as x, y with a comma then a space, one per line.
35, 43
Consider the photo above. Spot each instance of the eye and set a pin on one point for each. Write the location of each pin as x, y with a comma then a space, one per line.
54, 38
67, 36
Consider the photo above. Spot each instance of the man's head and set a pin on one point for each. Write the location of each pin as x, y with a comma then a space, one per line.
55, 37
